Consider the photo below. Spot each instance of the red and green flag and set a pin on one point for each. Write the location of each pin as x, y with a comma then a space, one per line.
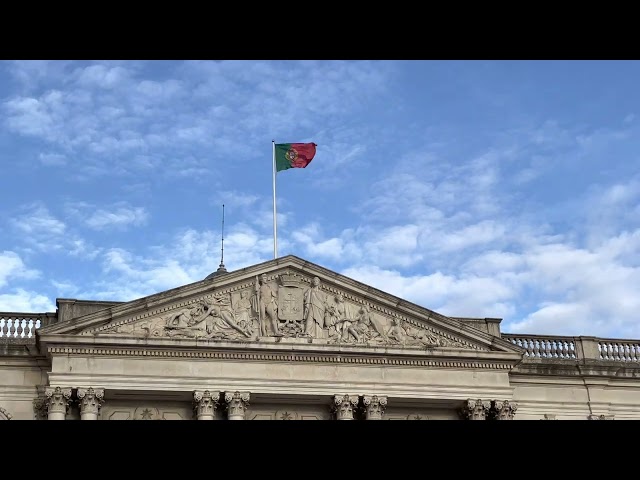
294, 155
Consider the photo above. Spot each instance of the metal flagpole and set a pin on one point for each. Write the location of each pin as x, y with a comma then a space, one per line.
275, 231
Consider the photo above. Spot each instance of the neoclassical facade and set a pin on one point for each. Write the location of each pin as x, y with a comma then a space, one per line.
290, 340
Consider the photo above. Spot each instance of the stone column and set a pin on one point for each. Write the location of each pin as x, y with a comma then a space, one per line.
476, 409
374, 406
206, 404
90, 400
504, 410
57, 402
343, 406
237, 404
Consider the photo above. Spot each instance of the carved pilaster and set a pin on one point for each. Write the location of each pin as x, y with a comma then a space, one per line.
374, 407
205, 404
90, 401
504, 410
343, 406
40, 408
57, 402
476, 409
237, 404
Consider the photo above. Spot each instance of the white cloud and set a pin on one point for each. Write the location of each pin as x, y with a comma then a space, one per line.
25, 301
12, 266
52, 159
121, 217
38, 222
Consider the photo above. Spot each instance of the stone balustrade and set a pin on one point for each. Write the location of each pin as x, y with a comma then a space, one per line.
619, 350
543, 346
576, 348
23, 325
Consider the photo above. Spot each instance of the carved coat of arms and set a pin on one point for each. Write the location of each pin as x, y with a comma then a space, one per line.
290, 299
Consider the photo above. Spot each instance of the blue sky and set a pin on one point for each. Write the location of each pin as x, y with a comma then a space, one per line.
503, 189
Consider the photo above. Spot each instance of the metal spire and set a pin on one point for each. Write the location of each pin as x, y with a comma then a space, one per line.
222, 268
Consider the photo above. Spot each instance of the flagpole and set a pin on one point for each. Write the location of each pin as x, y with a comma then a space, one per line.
275, 231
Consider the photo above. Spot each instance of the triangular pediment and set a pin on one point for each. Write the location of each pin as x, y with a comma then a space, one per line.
278, 301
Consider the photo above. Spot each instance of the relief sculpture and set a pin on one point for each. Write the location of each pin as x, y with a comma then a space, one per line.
286, 306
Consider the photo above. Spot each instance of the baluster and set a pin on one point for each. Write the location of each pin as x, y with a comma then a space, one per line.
619, 353
634, 352
12, 328
546, 348
565, 349
625, 352
554, 348
36, 326
607, 350
2, 328
19, 327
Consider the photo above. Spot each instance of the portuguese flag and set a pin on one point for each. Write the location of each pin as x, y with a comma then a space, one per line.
294, 155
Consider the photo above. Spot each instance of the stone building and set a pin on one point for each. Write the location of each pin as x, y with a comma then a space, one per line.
290, 340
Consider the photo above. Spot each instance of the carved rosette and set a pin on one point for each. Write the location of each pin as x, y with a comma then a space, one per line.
504, 410
57, 402
374, 406
476, 409
344, 405
237, 404
90, 401
205, 404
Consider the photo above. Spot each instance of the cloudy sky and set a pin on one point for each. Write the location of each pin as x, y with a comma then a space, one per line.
503, 189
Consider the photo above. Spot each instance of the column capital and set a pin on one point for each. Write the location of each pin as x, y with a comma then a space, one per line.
90, 400
504, 410
237, 403
57, 402
601, 417
476, 409
206, 403
374, 406
343, 406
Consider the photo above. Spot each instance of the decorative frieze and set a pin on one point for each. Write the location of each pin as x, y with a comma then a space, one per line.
344, 405
57, 402
476, 409
90, 401
237, 403
205, 404
374, 406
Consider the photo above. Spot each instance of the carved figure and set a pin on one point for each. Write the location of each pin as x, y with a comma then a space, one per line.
335, 317
315, 302
397, 333
242, 310
268, 308
219, 319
